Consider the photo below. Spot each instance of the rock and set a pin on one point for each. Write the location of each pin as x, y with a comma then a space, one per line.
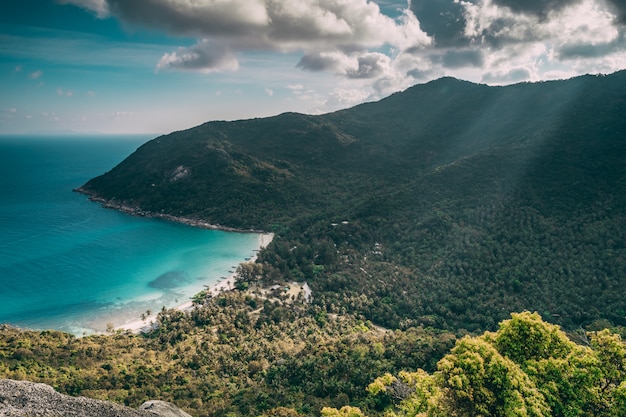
28, 399
180, 173
163, 409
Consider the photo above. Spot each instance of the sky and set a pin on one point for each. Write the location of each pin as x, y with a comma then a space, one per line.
157, 66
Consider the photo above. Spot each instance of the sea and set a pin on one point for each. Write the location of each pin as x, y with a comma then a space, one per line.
69, 264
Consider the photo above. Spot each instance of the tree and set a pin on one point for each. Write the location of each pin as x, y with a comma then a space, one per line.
478, 381
528, 368
527, 337
416, 393
345, 411
611, 391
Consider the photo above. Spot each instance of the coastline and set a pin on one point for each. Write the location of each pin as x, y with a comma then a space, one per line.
136, 211
225, 284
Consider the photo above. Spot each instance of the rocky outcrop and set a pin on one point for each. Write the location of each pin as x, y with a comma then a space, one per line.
163, 409
28, 399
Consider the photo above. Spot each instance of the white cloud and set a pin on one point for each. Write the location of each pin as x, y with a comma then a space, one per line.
334, 61
504, 41
271, 24
228, 27
372, 54
357, 65
36, 74
99, 6
342, 98
205, 56
269, 92
336, 35
370, 65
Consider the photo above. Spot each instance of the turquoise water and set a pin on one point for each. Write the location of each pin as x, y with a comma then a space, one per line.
68, 264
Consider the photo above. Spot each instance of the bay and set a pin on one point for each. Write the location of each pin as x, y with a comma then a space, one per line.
68, 264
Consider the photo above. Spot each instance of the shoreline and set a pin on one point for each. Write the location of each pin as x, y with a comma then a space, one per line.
225, 284
136, 211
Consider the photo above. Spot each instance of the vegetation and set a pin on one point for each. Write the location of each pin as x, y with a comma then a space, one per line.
229, 358
527, 368
450, 204
434, 213
233, 355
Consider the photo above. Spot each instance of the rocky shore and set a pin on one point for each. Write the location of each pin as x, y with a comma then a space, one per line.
28, 399
136, 211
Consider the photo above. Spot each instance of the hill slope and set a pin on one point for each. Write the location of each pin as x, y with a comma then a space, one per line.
459, 202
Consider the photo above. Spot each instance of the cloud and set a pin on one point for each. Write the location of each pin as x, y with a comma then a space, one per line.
269, 92
619, 9
335, 61
355, 65
461, 58
539, 8
266, 23
342, 98
370, 65
51, 116
443, 20
228, 27
7, 114
205, 56
36, 74
192, 18
513, 75
495, 41
66, 93
100, 7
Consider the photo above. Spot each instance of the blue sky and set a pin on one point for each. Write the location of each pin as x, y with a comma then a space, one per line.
155, 66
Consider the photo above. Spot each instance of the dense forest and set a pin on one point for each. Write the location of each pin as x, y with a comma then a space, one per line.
450, 204
231, 356
421, 222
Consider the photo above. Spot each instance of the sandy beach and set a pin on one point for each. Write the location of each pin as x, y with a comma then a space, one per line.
225, 284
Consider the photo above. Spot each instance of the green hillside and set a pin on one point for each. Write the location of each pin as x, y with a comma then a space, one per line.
450, 204
416, 220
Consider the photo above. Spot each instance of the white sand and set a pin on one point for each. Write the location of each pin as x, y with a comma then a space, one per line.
226, 284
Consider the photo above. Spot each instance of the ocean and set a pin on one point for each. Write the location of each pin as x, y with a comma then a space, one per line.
68, 264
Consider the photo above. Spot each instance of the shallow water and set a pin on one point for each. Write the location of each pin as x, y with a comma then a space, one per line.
68, 264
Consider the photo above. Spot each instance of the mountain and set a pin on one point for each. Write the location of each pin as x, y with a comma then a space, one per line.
449, 204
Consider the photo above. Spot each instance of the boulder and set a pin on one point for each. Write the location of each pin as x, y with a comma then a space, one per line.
29, 399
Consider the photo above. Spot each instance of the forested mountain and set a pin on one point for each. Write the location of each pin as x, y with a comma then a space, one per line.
435, 213
450, 204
